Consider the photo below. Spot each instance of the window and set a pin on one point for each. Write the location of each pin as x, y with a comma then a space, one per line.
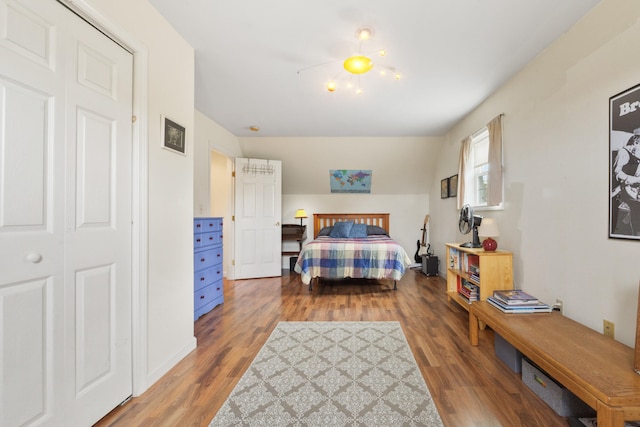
480, 163
480, 169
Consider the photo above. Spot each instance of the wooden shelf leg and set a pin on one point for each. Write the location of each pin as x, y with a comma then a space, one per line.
473, 328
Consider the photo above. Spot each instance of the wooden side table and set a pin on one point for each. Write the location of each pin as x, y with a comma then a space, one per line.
293, 232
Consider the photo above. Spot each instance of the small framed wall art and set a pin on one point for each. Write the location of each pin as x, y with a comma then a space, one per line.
173, 136
444, 188
453, 185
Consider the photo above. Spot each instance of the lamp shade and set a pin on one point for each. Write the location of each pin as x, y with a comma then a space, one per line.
300, 213
488, 228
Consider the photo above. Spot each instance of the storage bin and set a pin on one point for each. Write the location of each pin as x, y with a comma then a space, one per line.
561, 400
507, 353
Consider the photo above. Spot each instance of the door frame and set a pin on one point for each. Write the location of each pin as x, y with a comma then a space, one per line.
140, 196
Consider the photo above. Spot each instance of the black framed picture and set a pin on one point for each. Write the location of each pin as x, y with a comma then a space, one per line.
453, 185
624, 158
173, 135
444, 188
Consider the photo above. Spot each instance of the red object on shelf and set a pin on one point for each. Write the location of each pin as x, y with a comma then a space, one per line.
489, 245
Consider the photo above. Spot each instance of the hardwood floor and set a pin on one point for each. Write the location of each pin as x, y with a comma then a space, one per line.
470, 385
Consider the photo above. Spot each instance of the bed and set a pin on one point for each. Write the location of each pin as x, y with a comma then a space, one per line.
340, 252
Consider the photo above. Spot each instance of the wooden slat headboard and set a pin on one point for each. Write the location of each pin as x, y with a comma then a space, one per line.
325, 220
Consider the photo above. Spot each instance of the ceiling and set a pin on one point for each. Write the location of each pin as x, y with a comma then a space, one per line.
266, 63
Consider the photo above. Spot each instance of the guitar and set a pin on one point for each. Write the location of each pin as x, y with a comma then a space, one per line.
423, 249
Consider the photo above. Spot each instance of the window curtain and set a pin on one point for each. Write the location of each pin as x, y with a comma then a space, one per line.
463, 170
494, 187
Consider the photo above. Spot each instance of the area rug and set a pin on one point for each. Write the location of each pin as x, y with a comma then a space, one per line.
331, 374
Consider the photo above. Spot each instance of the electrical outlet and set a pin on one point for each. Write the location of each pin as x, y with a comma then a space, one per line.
559, 306
608, 328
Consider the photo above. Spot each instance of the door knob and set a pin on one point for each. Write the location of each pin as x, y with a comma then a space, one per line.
278, 224
33, 257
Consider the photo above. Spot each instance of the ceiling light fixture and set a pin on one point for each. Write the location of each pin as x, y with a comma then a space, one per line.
358, 64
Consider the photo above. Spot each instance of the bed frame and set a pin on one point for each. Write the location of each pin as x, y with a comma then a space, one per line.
328, 219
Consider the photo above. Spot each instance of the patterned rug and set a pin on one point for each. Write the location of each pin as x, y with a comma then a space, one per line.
332, 374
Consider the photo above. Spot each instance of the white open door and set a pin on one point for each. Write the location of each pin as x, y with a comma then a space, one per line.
258, 216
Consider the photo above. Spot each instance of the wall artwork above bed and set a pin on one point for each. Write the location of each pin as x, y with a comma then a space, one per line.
350, 181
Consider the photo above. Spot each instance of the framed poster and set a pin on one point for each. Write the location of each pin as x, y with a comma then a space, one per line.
453, 185
173, 135
624, 158
444, 188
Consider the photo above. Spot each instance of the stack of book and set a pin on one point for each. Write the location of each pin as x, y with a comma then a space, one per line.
517, 301
469, 291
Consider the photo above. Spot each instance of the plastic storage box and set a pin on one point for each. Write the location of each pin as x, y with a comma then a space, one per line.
507, 353
561, 400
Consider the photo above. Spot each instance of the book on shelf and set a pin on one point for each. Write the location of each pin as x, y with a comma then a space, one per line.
473, 264
515, 297
454, 258
469, 291
538, 307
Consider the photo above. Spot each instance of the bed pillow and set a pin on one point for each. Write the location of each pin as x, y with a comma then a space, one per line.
373, 230
325, 231
358, 231
341, 229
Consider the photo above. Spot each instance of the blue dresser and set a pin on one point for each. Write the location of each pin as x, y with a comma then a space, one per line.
207, 265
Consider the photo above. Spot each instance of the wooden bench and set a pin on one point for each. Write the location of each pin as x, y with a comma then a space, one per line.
597, 369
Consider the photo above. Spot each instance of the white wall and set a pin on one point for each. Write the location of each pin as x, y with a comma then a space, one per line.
213, 183
170, 88
400, 165
209, 136
556, 154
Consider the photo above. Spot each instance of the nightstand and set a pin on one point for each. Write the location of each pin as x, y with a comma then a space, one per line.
293, 232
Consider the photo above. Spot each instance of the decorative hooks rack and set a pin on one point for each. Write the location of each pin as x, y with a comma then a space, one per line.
257, 169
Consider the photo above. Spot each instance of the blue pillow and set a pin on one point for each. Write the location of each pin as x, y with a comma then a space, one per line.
325, 231
358, 231
341, 229
373, 230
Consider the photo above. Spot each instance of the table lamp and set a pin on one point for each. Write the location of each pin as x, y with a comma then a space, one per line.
488, 228
300, 213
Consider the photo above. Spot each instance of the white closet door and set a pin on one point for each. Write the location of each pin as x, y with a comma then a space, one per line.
65, 217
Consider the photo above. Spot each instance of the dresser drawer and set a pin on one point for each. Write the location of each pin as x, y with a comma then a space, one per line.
206, 277
204, 225
207, 294
207, 258
207, 239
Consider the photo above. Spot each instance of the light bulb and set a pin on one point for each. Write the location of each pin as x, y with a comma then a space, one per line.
331, 86
397, 76
382, 52
359, 91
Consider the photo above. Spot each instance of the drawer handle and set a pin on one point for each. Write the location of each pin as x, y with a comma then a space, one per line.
217, 289
210, 238
198, 240
210, 224
217, 272
202, 279
201, 296
218, 255
202, 259
540, 381
198, 226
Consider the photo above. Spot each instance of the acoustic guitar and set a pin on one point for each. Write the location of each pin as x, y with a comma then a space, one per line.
423, 249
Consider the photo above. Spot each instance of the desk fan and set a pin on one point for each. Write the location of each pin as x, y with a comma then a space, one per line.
469, 222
